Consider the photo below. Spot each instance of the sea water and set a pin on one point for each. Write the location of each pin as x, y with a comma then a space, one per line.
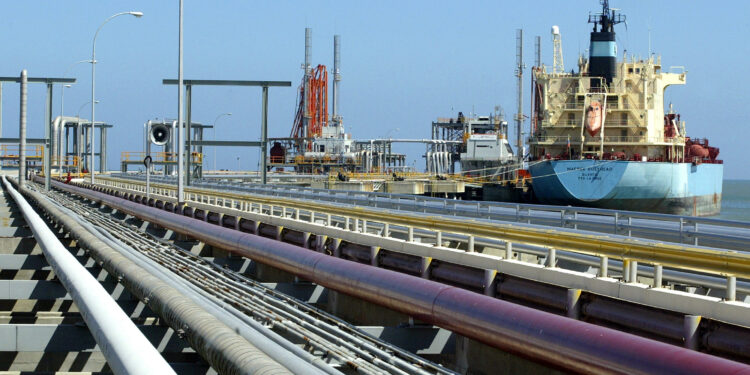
735, 200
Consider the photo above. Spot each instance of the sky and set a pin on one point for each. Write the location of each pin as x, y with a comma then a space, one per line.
404, 63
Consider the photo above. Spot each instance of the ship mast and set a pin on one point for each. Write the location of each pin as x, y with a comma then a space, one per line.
603, 49
519, 115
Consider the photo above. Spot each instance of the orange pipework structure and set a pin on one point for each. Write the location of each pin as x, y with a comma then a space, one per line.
317, 105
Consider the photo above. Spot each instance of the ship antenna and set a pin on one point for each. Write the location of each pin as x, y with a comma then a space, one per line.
607, 19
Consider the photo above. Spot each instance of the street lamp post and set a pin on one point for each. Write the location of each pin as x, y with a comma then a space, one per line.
93, 83
213, 130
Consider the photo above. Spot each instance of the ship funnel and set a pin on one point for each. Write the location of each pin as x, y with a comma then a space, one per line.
603, 49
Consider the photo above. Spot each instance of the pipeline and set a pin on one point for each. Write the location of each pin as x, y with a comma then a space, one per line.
556, 341
225, 350
124, 346
279, 349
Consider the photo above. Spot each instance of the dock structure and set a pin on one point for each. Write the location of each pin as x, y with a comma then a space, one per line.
332, 281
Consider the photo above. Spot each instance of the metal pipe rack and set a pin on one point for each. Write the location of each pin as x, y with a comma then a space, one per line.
680, 256
727, 234
551, 339
127, 350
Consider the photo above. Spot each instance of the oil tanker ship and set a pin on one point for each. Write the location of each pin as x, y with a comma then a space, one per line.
601, 137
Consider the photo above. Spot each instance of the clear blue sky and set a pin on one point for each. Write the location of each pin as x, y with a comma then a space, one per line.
403, 63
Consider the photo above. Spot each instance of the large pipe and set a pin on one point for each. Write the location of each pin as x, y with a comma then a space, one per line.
278, 348
556, 341
124, 346
22, 131
223, 348
58, 124
336, 75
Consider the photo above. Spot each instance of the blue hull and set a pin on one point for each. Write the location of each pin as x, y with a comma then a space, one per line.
674, 188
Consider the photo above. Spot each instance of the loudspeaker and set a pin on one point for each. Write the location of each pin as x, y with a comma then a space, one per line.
159, 134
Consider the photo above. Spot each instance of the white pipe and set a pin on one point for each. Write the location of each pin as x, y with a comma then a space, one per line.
126, 349
174, 135
57, 137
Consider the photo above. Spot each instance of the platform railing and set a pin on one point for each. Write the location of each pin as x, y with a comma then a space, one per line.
698, 231
630, 251
157, 157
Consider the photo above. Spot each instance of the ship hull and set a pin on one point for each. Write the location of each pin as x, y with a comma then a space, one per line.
673, 188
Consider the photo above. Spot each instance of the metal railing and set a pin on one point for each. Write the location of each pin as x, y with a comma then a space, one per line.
625, 248
13, 151
65, 161
158, 157
608, 139
720, 233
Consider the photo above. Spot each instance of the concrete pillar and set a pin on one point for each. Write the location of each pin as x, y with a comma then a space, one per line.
731, 288
633, 278
551, 257
508, 250
603, 266
658, 274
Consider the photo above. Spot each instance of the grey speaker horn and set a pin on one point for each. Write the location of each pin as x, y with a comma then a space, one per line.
159, 134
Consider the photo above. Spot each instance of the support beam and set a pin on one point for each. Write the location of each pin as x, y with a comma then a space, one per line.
264, 137
210, 82
29, 141
48, 135
189, 130
22, 132
220, 82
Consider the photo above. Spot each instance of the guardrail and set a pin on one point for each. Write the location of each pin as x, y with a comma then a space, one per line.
718, 233
12, 151
630, 251
157, 157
